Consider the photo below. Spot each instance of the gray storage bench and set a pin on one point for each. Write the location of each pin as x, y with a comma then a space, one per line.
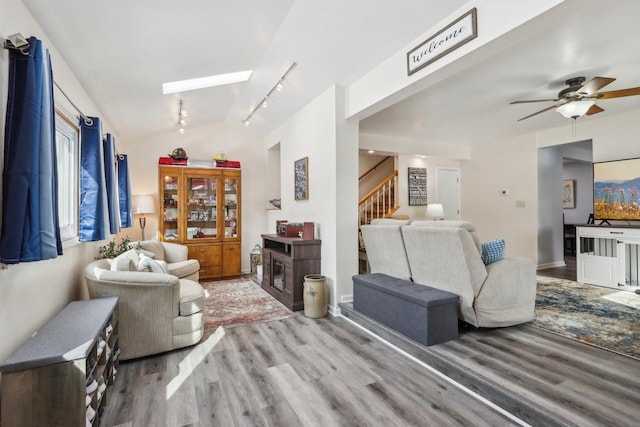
427, 315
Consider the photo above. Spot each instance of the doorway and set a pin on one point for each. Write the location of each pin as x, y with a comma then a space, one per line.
448, 191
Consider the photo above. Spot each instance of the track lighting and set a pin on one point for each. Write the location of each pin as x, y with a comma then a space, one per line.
182, 113
264, 103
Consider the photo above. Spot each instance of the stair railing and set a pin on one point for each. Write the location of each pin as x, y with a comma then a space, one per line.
381, 201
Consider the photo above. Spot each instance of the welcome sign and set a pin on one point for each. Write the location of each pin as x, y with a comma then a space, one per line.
461, 31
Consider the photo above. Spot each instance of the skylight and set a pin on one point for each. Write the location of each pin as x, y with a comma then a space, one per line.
203, 82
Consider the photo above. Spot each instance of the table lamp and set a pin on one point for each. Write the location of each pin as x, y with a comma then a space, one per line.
143, 205
435, 211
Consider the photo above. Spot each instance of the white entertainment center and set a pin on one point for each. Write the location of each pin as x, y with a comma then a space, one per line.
608, 255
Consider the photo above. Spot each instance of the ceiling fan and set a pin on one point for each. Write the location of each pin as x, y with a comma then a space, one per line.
578, 98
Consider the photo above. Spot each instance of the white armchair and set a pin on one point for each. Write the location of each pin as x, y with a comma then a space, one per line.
157, 312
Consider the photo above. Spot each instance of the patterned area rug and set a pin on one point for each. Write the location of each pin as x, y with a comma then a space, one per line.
239, 302
603, 317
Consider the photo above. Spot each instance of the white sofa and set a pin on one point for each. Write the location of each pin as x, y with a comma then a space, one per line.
156, 312
447, 255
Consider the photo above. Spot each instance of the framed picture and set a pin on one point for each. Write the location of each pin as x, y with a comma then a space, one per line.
194, 215
301, 178
417, 186
568, 194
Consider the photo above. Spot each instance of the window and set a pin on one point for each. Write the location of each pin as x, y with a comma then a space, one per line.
67, 152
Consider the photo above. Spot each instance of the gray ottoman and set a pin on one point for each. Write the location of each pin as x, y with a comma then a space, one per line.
424, 314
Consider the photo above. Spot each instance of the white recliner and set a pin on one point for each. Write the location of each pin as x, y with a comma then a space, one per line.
447, 255
385, 247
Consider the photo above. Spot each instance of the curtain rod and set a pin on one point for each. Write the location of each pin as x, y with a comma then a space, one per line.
19, 43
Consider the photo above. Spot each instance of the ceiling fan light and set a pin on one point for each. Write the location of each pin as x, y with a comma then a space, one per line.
575, 108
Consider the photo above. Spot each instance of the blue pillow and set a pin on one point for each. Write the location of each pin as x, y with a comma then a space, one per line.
492, 251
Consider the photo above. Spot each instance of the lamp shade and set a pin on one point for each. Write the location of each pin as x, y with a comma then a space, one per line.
435, 210
575, 108
143, 204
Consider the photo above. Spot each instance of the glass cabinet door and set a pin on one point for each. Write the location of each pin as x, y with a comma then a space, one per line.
202, 208
170, 207
230, 206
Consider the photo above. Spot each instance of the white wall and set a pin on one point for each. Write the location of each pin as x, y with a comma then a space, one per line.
366, 161
582, 174
389, 83
550, 228
32, 293
513, 164
318, 132
503, 165
203, 142
431, 164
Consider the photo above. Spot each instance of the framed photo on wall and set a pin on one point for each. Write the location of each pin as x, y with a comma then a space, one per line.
417, 186
568, 194
301, 178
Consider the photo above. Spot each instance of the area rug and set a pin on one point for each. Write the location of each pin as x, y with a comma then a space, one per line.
240, 302
603, 317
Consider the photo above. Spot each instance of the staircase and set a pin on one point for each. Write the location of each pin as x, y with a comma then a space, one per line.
380, 202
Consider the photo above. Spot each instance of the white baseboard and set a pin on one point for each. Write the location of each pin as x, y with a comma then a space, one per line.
551, 265
335, 311
346, 299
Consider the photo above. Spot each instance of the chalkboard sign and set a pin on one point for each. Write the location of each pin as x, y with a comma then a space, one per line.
417, 186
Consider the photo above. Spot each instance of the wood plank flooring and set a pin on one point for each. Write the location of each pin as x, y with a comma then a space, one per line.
292, 372
567, 272
543, 378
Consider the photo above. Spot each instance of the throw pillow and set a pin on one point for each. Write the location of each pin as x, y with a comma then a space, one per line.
126, 261
147, 253
152, 265
153, 245
492, 251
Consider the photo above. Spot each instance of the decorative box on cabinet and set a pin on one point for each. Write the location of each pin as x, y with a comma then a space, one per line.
202, 209
44, 382
285, 262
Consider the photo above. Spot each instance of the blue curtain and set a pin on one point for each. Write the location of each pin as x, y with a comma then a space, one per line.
124, 192
94, 213
30, 228
111, 180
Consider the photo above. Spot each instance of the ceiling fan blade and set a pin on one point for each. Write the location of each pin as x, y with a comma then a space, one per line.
534, 100
594, 85
594, 109
543, 110
617, 93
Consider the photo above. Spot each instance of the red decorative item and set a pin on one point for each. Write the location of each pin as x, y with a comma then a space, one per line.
228, 164
170, 161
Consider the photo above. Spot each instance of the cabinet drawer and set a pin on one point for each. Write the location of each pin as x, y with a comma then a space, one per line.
210, 271
207, 255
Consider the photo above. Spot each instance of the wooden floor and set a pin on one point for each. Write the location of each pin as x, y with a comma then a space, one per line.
328, 372
541, 377
567, 272
292, 372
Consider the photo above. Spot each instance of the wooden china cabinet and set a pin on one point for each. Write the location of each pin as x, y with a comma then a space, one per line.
201, 209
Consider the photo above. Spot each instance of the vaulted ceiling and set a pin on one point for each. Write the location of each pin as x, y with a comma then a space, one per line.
122, 52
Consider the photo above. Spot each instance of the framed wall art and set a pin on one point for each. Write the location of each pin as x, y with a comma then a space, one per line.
568, 194
417, 186
301, 178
